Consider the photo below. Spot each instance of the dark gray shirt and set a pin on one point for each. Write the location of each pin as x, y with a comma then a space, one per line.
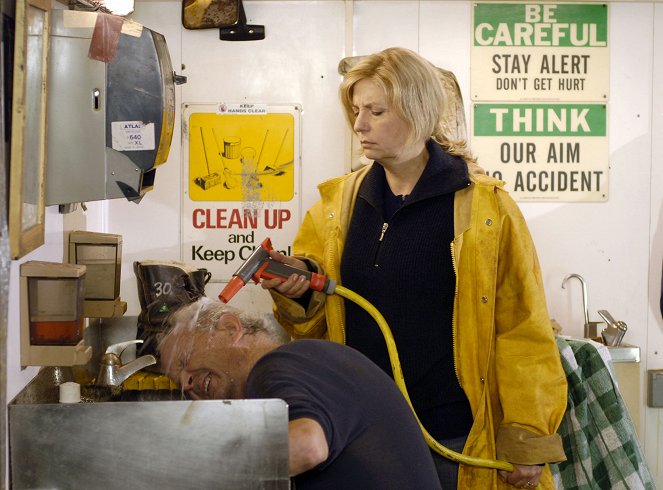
374, 439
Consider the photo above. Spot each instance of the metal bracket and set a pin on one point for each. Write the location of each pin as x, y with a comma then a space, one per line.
241, 31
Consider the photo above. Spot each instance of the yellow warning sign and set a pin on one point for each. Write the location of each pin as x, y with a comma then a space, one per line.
239, 157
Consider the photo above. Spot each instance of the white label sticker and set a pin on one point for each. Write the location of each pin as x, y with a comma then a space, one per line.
132, 135
251, 109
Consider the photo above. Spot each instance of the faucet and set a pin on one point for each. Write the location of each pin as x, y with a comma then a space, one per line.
111, 370
614, 333
590, 327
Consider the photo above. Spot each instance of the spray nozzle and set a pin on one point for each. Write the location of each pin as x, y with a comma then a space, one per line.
261, 266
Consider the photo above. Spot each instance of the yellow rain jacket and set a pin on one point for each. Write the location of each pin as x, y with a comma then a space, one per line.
505, 353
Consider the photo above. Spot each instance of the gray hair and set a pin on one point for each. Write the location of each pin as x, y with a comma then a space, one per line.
204, 315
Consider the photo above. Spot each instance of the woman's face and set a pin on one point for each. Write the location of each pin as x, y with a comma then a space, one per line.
382, 133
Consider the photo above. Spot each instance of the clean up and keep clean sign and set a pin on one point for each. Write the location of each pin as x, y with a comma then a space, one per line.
241, 181
544, 152
544, 52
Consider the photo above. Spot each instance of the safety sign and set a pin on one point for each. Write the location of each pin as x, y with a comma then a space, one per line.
540, 52
241, 181
544, 152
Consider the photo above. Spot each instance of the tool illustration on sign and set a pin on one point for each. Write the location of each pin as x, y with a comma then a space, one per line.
240, 158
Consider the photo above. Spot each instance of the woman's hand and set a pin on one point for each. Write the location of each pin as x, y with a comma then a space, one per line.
295, 285
522, 476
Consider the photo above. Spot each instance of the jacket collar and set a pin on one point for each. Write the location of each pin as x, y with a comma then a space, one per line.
443, 174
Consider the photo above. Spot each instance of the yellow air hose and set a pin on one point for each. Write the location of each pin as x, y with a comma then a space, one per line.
400, 382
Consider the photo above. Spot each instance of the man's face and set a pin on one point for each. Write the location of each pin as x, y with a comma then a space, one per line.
205, 364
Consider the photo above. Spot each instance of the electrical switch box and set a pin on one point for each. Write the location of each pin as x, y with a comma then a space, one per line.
110, 117
655, 388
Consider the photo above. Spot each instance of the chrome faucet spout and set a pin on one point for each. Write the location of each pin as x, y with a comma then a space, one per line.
111, 370
614, 332
584, 298
132, 367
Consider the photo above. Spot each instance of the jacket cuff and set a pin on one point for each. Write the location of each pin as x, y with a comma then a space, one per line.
298, 321
521, 446
293, 311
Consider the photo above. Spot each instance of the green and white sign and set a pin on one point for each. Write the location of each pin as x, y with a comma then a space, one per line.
544, 152
540, 52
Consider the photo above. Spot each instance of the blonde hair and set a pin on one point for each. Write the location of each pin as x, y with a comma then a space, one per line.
414, 90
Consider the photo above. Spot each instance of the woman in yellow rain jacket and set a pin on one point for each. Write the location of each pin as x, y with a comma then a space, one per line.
503, 365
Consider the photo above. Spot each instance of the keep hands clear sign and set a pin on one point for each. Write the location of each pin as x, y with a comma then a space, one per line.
540, 85
241, 182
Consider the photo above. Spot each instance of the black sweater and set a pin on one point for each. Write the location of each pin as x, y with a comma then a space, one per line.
408, 276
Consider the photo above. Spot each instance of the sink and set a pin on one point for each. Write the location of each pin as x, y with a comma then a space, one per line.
620, 353
40, 391
150, 439
624, 353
